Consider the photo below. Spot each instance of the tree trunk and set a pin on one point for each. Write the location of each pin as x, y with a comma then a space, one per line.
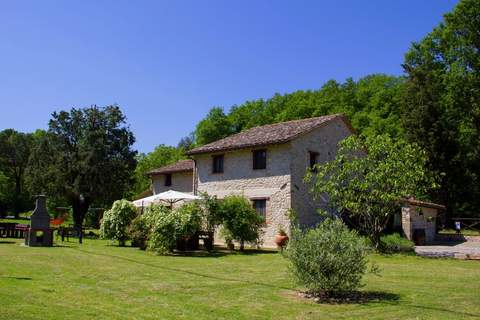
375, 238
242, 245
80, 209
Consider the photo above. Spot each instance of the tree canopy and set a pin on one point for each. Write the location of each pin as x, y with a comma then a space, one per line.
15, 148
85, 157
441, 109
367, 179
372, 104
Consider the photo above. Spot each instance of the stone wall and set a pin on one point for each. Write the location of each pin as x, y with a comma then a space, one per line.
324, 141
181, 181
417, 217
272, 183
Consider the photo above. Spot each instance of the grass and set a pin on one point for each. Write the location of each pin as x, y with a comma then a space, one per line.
465, 232
95, 280
20, 221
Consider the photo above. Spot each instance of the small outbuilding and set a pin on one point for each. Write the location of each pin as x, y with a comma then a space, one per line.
419, 220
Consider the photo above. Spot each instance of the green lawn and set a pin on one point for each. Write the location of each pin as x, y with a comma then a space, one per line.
465, 232
98, 281
21, 221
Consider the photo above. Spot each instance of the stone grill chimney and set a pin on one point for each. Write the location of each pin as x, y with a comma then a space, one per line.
40, 233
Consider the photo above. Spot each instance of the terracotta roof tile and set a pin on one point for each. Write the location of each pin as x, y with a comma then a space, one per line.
179, 166
265, 135
421, 203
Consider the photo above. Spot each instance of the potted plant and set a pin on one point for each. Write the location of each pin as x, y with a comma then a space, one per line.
281, 239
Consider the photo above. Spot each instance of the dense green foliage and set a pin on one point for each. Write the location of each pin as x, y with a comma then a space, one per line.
367, 179
240, 221
15, 149
212, 212
442, 105
329, 259
161, 156
372, 104
215, 126
189, 218
169, 227
116, 221
85, 158
161, 225
138, 232
396, 243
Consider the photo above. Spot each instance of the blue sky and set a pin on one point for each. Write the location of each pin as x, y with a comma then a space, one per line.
166, 63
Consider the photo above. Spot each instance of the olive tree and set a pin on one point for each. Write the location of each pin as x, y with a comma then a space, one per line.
368, 178
327, 260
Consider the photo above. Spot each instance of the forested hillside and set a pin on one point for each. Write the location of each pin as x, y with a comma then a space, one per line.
373, 105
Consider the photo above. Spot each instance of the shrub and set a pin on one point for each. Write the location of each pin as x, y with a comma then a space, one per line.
152, 212
139, 231
240, 221
169, 227
116, 221
92, 218
395, 243
327, 260
188, 219
212, 215
161, 224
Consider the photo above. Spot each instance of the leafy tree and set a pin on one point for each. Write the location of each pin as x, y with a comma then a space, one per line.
373, 105
85, 158
161, 156
442, 105
5, 193
187, 143
367, 179
15, 148
214, 127
240, 220
249, 114
116, 221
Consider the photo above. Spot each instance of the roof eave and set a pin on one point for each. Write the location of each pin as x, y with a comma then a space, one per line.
242, 147
168, 171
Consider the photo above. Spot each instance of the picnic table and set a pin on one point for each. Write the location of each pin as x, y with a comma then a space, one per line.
70, 231
12, 230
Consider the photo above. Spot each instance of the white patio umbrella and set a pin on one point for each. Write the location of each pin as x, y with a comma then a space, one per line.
145, 202
170, 196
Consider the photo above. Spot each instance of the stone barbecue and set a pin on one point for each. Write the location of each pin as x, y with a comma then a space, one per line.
39, 233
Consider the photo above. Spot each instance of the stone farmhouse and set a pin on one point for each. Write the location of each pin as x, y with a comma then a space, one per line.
266, 164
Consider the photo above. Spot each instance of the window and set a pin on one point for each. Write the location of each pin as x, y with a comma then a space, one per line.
168, 180
313, 159
260, 206
259, 159
217, 164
